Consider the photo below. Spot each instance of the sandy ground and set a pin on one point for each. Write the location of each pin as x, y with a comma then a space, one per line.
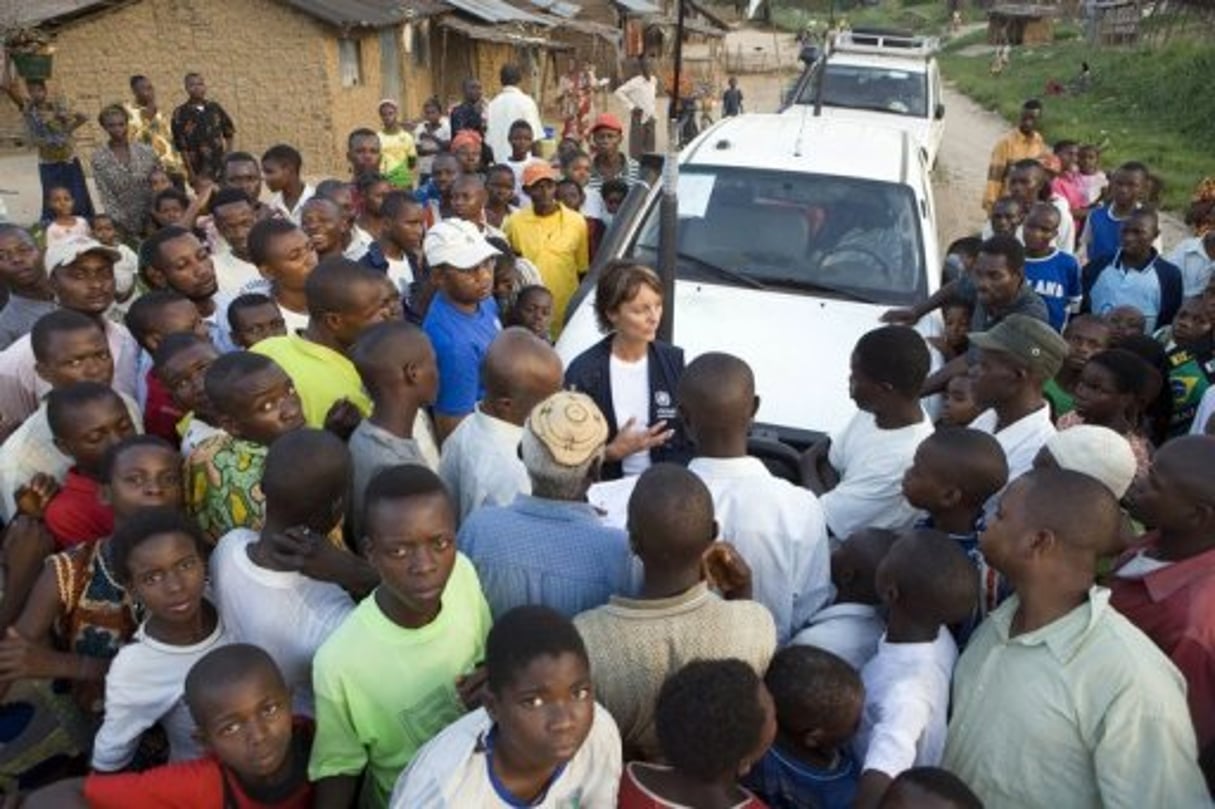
970, 132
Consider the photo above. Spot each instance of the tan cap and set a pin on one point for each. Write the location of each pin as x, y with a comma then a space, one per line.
570, 426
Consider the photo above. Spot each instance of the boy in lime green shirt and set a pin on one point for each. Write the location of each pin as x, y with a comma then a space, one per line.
396, 672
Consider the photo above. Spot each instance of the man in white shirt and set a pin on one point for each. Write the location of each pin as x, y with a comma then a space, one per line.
233, 215
282, 590
1015, 359
480, 461
777, 527
639, 94
282, 167
508, 106
858, 472
1195, 257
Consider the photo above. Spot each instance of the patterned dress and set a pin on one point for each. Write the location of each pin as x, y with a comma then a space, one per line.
224, 486
124, 189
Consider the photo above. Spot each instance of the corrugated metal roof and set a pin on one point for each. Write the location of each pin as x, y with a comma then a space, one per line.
341, 13
500, 33
495, 11
559, 8
354, 13
41, 11
638, 6
602, 30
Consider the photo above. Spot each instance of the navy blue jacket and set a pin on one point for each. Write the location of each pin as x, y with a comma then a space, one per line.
1169, 276
590, 373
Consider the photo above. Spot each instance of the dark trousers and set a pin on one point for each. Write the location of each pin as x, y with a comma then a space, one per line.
641, 136
69, 175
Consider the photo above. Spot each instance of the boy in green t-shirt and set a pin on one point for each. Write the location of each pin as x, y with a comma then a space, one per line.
396, 672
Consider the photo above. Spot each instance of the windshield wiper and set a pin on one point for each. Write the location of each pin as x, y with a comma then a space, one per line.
810, 286
722, 272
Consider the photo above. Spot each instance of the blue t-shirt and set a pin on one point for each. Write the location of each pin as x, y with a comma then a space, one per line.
460, 341
1056, 278
1118, 285
1104, 232
783, 782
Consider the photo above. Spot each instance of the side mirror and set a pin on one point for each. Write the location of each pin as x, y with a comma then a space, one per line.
939, 112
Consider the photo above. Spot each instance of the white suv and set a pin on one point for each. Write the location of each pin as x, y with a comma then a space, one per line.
881, 77
795, 234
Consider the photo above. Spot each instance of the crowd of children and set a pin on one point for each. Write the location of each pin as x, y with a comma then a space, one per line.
299, 510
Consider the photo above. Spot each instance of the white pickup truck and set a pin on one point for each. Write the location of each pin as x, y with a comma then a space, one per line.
880, 77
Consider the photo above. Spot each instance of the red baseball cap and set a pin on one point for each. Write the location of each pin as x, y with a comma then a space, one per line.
608, 121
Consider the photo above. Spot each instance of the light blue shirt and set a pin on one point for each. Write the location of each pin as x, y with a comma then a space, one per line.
1124, 286
550, 552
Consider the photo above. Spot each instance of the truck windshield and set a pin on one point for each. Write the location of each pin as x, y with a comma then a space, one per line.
879, 89
817, 234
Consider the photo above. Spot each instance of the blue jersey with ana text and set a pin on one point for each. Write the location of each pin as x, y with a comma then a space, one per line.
1056, 279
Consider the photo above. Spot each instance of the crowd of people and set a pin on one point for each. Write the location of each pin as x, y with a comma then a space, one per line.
302, 508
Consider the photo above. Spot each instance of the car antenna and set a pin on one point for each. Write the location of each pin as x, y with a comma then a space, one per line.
818, 85
801, 130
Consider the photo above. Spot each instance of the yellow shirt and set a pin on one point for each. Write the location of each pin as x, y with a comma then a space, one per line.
559, 246
397, 150
321, 375
156, 132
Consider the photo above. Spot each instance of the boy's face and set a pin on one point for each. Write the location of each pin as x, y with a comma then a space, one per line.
411, 542
234, 221
520, 140
407, 228
1024, 183
1087, 159
580, 170
467, 201
925, 483
82, 355
256, 323
185, 266
612, 201
92, 430
168, 575
1005, 218
1069, 156
86, 285
1125, 321
103, 230
323, 223
1191, 324
468, 287
1138, 233
570, 195
144, 477
1157, 500
179, 317
469, 156
196, 88
543, 195
267, 407
159, 181
20, 259
544, 713
501, 187
245, 175
1126, 187
373, 197
60, 202
364, 154
1002, 541
1098, 399
433, 113
960, 407
169, 212
183, 377
865, 391
290, 259
957, 325
343, 198
1039, 231
276, 175
443, 173
535, 312
388, 115
607, 141
370, 303
1084, 339
995, 284
247, 724
994, 378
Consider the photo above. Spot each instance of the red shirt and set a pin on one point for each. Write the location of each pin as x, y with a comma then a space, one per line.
195, 785
76, 514
1175, 607
160, 415
635, 796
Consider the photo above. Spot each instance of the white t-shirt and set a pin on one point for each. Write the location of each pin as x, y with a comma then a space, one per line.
286, 613
517, 166
850, 631
450, 771
279, 204
906, 705
146, 686
1020, 440
871, 462
631, 400
401, 274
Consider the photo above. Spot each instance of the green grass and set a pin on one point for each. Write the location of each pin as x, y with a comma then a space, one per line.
1149, 104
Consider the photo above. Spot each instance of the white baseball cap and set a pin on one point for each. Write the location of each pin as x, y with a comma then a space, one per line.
457, 243
70, 249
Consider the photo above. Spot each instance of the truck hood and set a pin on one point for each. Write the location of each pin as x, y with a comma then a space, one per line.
798, 346
920, 129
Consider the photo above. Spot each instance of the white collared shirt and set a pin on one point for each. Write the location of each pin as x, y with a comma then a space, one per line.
1196, 265
906, 705
360, 241
480, 463
850, 631
1020, 440
232, 273
277, 203
871, 462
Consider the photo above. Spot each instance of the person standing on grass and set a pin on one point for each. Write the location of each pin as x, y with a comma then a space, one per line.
1023, 142
202, 132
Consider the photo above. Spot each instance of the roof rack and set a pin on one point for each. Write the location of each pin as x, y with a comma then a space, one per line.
889, 43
